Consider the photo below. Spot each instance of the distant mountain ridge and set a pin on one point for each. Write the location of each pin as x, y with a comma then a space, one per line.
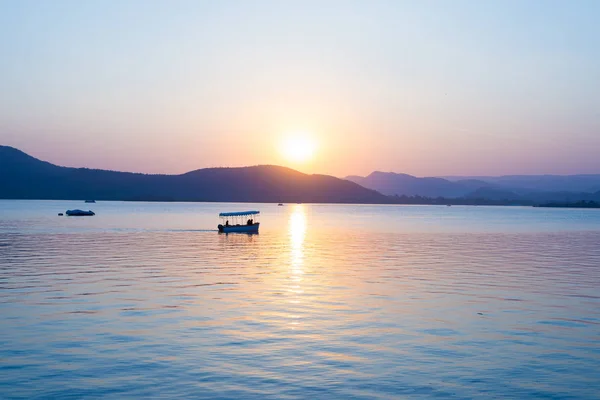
533, 189
25, 177
390, 183
549, 183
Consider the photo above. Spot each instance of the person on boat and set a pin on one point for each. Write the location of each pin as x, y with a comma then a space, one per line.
227, 223
250, 222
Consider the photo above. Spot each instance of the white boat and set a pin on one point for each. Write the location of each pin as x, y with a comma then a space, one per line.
241, 221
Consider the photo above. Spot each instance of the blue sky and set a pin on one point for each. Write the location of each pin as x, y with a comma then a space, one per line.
423, 87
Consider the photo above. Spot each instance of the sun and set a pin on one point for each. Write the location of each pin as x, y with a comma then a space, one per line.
298, 147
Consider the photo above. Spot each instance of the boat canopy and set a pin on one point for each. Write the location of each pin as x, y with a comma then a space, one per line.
238, 214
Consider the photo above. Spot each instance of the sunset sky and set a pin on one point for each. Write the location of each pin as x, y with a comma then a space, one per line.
335, 87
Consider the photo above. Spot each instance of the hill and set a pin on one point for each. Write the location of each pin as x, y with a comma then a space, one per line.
510, 189
25, 177
391, 184
545, 183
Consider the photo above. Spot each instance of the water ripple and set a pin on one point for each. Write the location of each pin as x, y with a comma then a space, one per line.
299, 312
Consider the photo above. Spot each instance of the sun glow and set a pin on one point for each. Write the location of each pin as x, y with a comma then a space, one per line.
298, 147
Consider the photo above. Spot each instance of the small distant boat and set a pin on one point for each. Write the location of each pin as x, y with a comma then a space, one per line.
80, 213
90, 201
239, 223
280, 204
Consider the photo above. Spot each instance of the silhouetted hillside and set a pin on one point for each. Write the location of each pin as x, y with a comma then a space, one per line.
392, 184
579, 204
25, 177
474, 184
542, 183
532, 197
493, 194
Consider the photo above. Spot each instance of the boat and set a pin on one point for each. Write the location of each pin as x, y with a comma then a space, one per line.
280, 204
90, 201
239, 222
80, 213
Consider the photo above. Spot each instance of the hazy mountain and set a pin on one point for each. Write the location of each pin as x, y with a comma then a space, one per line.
494, 194
533, 190
474, 184
548, 183
532, 197
25, 177
391, 184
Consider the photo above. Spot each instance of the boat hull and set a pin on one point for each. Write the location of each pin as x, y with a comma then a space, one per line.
239, 228
80, 213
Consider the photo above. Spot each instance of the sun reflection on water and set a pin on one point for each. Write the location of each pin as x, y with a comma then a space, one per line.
297, 232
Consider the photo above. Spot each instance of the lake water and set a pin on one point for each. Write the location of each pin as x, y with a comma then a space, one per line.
328, 301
